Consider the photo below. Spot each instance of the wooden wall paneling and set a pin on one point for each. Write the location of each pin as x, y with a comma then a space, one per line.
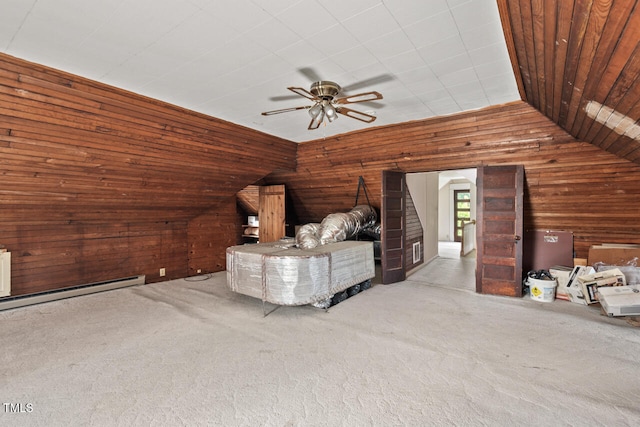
413, 234
625, 44
575, 51
549, 11
538, 26
249, 199
581, 12
512, 18
534, 36
209, 236
616, 21
70, 254
570, 185
79, 156
593, 32
622, 97
563, 28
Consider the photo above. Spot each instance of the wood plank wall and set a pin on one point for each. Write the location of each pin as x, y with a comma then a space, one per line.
414, 233
211, 233
98, 183
569, 185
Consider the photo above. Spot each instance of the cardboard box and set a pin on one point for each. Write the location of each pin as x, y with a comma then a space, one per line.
614, 254
253, 221
631, 273
561, 274
573, 290
620, 300
591, 282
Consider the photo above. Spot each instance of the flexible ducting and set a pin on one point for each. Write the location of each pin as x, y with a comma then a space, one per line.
307, 236
337, 227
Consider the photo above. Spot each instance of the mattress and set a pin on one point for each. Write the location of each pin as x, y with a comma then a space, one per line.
283, 274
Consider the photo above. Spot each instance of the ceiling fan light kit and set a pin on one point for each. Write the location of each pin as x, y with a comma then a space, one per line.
328, 105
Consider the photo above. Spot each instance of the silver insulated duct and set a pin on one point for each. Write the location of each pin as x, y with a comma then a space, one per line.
337, 227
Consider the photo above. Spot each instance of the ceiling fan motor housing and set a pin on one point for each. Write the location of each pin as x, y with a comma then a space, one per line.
325, 90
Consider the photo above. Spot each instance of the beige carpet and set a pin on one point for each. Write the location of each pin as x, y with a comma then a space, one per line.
417, 353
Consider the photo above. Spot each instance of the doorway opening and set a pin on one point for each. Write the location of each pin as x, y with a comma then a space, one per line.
446, 201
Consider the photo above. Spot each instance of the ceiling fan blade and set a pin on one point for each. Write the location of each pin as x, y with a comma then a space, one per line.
285, 110
283, 98
382, 78
361, 97
309, 73
358, 115
303, 92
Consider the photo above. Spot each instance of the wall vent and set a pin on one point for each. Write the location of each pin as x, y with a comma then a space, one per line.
72, 291
416, 252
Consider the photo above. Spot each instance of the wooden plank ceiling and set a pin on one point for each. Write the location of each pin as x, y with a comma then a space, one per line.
578, 62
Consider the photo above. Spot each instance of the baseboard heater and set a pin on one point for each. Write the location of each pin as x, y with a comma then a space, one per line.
69, 292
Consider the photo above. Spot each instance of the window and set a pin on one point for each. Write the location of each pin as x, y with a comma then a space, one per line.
461, 211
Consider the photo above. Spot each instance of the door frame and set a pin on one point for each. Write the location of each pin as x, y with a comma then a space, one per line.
393, 227
479, 215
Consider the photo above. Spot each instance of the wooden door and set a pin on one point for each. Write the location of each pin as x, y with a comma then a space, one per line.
271, 213
499, 230
392, 239
461, 212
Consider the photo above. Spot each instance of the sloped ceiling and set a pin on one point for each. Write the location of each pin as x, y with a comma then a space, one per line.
578, 62
233, 59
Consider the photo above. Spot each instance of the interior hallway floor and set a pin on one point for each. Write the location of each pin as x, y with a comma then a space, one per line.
426, 351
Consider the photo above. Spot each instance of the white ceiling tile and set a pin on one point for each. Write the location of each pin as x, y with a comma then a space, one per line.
475, 13
371, 23
11, 20
307, 18
273, 34
198, 34
433, 96
390, 44
408, 12
432, 30
472, 89
356, 58
396, 94
342, 9
491, 53
495, 68
300, 54
242, 15
418, 75
426, 85
451, 65
403, 62
234, 58
458, 77
274, 7
456, 3
482, 35
472, 104
446, 48
443, 107
334, 40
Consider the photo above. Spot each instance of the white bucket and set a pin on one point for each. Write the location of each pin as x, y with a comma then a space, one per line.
542, 290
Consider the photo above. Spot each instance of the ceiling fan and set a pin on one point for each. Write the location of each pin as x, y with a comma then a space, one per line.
328, 104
